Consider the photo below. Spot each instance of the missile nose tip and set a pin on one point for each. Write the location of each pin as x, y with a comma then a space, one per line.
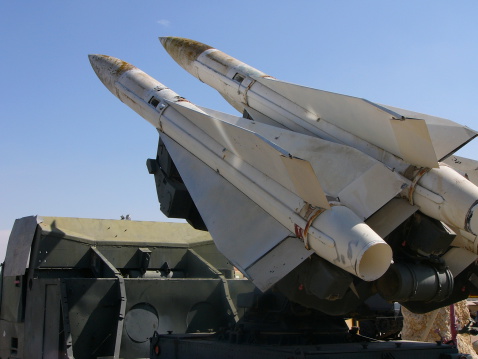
95, 58
183, 51
108, 69
163, 40
94, 61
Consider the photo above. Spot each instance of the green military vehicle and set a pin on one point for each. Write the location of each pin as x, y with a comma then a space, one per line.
90, 288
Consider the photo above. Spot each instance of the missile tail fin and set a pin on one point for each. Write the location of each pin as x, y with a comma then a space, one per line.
248, 236
307, 165
407, 138
295, 174
447, 136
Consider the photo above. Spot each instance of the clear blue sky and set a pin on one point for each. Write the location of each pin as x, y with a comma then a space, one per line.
70, 148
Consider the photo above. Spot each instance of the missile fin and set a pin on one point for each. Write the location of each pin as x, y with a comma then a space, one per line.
295, 174
220, 115
457, 259
367, 120
241, 230
447, 136
274, 261
260, 117
360, 182
305, 181
465, 240
390, 216
374, 187
255, 118
414, 142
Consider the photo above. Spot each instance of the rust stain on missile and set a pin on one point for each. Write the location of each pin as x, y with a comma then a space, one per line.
121, 66
182, 99
124, 67
184, 50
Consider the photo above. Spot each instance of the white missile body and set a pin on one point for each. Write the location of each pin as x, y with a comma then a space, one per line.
260, 189
406, 142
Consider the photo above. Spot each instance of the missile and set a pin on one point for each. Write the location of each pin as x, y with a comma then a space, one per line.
301, 191
256, 187
409, 143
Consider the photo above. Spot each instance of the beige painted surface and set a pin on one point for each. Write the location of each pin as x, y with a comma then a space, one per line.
428, 327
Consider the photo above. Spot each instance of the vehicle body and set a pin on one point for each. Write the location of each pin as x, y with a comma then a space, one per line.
89, 288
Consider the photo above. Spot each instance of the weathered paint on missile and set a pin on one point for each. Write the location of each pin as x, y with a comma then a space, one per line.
109, 69
300, 108
252, 95
386, 133
459, 198
184, 51
352, 243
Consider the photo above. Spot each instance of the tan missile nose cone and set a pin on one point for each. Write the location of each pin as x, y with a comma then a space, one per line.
109, 69
184, 51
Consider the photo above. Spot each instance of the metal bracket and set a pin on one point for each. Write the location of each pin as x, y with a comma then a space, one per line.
103, 268
225, 285
417, 178
66, 320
